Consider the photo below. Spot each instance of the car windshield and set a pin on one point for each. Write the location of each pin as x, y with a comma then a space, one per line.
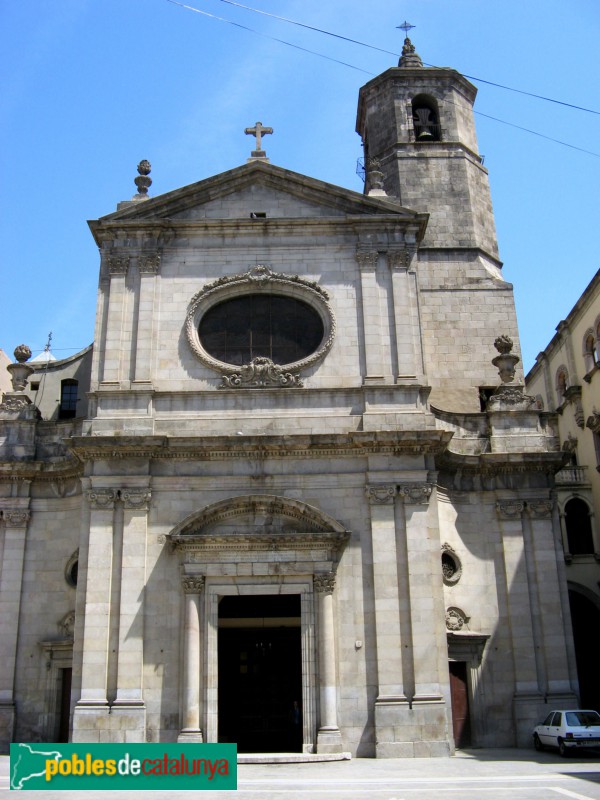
577, 719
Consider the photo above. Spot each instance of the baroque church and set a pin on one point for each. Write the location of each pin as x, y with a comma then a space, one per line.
294, 496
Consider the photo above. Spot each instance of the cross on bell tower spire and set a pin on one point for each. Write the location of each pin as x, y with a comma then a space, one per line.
409, 57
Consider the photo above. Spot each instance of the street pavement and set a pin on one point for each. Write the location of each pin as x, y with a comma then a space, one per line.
469, 775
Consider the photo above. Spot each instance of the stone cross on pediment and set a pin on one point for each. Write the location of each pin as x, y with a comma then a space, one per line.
259, 130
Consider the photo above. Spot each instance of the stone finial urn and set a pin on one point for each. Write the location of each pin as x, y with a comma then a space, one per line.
20, 371
506, 361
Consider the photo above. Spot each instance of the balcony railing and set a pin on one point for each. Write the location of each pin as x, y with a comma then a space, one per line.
570, 475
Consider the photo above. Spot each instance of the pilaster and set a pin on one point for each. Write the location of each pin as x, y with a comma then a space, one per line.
406, 318
553, 643
524, 626
371, 314
114, 349
149, 269
15, 519
93, 702
129, 701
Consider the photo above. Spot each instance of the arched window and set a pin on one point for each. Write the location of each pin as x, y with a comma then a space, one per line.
562, 382
68, 399
426, 119
579, 527
590, 351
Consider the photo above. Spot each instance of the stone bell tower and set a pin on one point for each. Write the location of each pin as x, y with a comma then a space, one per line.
417, 128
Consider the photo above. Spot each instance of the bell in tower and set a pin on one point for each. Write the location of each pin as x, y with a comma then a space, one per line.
417, 122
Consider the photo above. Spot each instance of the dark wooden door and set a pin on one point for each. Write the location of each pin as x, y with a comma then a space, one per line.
459, 693
65, 705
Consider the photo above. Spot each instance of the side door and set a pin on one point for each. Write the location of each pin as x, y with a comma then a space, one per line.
544, 729
554, 728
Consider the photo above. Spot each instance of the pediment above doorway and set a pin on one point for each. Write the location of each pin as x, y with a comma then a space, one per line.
265, 523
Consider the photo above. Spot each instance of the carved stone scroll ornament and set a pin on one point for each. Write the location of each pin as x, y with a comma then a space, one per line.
136, 498
102, 498
510, 509
16, 518
257, 278
593, 421
456, 619
415, 493
66, 625
193, 584
260, 373
324, 582
12, 403
540, 509
380, 494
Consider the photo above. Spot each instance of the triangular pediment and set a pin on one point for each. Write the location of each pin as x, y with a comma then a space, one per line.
262, 188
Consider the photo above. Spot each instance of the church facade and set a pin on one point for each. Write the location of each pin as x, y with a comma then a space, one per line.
286, 499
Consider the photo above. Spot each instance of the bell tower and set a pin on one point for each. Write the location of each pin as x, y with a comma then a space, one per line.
417, 128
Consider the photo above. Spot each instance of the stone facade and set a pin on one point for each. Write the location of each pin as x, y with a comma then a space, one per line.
376, 511
565, 380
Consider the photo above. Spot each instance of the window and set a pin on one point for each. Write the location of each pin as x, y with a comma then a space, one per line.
280, 328
590, 351
68, 399
562, 382
579, 527
557, 719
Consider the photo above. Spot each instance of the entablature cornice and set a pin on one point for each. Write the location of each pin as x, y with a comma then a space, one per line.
133, 235
40, 470
218, 448
489, 465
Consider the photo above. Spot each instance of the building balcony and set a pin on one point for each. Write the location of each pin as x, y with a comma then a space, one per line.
571, 476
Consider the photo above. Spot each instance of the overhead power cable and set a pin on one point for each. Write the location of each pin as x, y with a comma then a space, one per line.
266, 36
366, 72
389, 52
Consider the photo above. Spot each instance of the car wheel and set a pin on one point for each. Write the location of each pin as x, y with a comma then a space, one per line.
537, 743
563, 749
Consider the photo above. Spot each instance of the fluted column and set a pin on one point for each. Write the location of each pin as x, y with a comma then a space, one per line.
371, 314
329, 738
113, 347
15, 519
191, 731
149, 268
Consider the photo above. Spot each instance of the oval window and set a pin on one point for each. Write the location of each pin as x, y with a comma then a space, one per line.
273, 326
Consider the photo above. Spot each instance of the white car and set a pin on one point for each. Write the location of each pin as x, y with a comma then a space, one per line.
568, 730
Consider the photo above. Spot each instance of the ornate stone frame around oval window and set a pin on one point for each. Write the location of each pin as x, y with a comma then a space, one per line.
261, 372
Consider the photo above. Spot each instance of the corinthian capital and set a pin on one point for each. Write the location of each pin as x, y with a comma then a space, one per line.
118, 265
367, 259
149, 263
324, 582
192, 584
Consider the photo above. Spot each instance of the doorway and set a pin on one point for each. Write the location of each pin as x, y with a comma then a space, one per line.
459, 695
260, 673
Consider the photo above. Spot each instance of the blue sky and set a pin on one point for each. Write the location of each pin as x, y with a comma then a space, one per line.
90, 87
